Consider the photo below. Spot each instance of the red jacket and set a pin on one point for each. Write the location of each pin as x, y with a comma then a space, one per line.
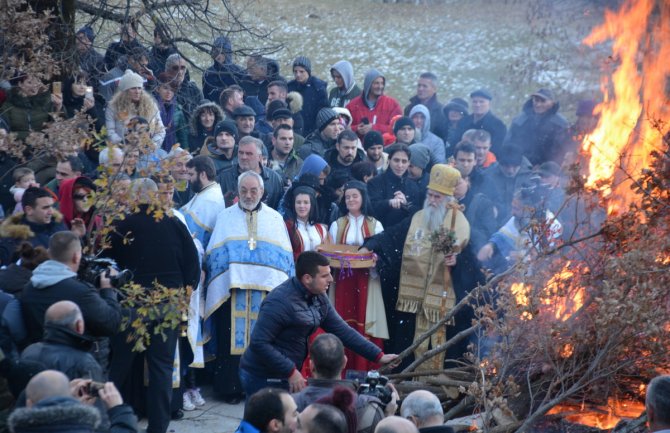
379, 117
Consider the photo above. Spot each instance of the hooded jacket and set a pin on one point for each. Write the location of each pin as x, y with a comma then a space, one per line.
221, 75
542, 137
314, 98
17, 228
54, 281
67, 207
439, 124
380, 115
198, 133
432, 141
337, 96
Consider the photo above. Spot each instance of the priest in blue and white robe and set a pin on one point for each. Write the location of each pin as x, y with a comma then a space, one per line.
248, 255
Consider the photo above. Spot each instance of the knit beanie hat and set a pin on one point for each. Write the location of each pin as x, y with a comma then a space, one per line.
403, 121
324, 117
372, 138
129, 80
420, 156
88, 32
443, 179
304, 62
228, 126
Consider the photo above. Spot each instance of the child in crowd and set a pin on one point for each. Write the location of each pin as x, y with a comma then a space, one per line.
23, 179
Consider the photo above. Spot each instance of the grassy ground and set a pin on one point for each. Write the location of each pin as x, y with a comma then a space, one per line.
510, 46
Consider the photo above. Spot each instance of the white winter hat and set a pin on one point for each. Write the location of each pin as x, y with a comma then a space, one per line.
129, 80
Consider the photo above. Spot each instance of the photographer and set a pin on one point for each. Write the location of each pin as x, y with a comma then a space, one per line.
327, 360
56, 280
54, 404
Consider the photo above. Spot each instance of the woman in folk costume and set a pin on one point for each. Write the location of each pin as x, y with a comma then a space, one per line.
305, 233
351, 293
303, 230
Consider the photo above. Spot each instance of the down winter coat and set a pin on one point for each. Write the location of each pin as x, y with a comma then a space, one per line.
542, 137
17, 228
26, 114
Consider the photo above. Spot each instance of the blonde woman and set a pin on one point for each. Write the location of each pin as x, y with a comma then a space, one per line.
131, 100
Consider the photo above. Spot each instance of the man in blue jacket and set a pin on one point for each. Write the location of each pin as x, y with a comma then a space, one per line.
288, 316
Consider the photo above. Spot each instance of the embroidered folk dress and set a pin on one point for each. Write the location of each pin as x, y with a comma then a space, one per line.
351, 293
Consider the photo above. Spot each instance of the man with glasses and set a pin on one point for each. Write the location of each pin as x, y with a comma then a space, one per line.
187, 92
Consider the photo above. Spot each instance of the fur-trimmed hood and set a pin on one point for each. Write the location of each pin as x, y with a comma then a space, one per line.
195, 117
16, 227
294, 101
55, 414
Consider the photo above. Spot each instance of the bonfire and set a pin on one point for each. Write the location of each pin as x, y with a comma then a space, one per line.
578, 331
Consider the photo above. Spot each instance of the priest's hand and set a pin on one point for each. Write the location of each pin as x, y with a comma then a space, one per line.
296, 382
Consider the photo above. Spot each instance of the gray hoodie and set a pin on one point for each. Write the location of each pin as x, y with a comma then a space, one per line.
49, 273
432, 141
337, 96
370, 76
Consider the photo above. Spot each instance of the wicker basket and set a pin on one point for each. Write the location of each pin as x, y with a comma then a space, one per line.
346, 256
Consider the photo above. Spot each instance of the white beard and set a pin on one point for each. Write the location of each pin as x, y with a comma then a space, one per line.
249, 205
433, 217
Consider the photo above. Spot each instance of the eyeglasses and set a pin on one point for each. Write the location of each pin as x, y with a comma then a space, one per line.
178, 67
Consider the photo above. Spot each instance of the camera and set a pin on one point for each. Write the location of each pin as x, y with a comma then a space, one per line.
92, 388
91, 267
375, 385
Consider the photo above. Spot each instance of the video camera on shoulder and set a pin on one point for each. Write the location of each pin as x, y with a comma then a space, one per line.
92, 267
375, 385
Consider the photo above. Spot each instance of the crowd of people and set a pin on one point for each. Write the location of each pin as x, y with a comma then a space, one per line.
258, 174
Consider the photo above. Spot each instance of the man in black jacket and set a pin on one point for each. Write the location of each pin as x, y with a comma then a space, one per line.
287, 317
249, 153
64, 347
161, 251
56, 280
483, 118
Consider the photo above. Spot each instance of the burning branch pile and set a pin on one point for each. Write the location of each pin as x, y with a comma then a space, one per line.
584, 324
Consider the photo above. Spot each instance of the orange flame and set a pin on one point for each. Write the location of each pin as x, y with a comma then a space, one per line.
634, 113
601, 417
